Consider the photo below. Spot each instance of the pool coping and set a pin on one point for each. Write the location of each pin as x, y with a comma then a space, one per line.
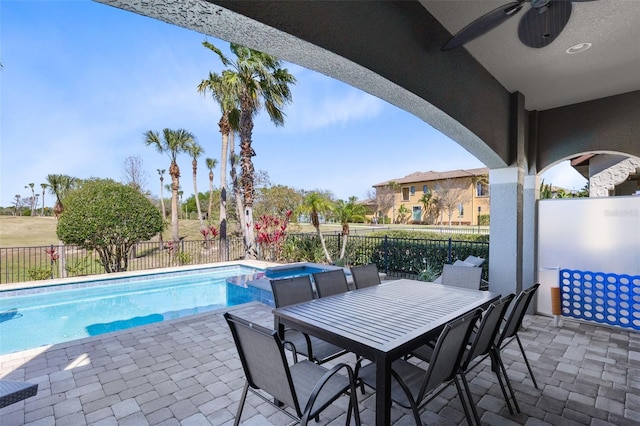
100, 277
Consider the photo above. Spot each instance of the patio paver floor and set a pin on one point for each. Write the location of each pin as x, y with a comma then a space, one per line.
186, 372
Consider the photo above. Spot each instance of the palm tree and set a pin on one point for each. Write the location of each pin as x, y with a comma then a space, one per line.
44, 186
211, 164
224, 92
161, 173
428, 201
59, 186
172, 143
259, 81
196, 151
346, 212
314, 204
33, 198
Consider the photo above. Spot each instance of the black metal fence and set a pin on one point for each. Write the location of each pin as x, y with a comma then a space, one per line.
398, 257
19, 264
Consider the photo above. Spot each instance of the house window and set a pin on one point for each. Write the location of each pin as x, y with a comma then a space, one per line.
405, 194
482, 188
413, 190
425, 189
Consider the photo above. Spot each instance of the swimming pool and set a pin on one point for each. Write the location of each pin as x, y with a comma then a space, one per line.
47, 315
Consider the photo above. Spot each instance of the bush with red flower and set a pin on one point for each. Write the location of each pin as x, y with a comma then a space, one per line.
271, 232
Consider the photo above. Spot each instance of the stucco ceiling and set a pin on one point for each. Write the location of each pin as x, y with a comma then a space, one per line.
549, 77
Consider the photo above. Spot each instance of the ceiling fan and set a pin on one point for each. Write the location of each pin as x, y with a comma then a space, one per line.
539, 26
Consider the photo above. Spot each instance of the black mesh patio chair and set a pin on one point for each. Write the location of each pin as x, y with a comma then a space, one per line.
365, 275
329, 283
414, 387
289, 291
481, 343
304, 387
513, 324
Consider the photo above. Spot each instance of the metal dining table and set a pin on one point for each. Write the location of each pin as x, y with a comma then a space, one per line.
384, 322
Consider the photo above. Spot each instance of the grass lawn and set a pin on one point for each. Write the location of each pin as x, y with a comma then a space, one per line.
26, 231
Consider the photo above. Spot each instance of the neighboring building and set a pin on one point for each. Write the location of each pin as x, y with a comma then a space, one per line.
456, 197
609, 174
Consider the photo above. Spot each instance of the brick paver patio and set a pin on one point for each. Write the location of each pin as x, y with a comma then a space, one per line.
186, 372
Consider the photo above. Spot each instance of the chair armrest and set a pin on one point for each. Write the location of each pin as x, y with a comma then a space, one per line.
292, 348
323, 381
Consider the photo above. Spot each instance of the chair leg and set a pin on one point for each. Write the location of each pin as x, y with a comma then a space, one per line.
462, 397
495, 367
465, 384
241, 403
526, 361
506, 379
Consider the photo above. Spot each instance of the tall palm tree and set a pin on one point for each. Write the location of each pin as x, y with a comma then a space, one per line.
33, 198
195, 151
211, 164
259, 81
172, 143
224, 92
314, 205
44, 186
346, 212
161, 173
59, 186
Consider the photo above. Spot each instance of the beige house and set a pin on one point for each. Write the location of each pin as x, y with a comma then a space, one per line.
456, 197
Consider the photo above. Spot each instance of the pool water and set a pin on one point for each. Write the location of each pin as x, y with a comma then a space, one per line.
48, 315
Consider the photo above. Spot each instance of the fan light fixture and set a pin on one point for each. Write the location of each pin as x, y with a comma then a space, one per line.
578, 48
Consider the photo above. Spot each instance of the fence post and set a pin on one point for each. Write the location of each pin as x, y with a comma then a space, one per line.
449, 252
386, 254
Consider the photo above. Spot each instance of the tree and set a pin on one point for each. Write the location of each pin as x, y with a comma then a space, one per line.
451, 194
44, 186
133, 174
33, 198
258, 80
429, 205
346, 212
17, 204
110, 218
173, 142
314, 205
59, 186
224, 92
386, 199
196, 151
403, 214
161, 173
211, 164
277, 200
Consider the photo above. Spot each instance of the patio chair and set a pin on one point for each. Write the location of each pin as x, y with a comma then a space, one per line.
305, 387
365, 275
461, 276
481, 343
414, 387
289, 291
513, 324
475, 261
329, 283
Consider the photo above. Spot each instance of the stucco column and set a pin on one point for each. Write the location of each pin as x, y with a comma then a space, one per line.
530, 195
506, 236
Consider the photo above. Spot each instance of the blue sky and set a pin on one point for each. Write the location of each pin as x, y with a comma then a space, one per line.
83, 81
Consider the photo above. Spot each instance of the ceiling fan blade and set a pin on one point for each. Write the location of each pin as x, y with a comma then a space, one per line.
539, 28
483, 24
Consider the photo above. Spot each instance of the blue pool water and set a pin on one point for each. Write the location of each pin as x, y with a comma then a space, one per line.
54, 314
